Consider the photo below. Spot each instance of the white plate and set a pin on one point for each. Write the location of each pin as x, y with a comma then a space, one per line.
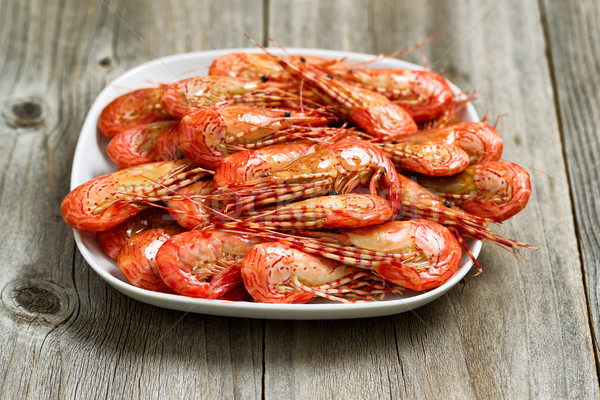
91, 161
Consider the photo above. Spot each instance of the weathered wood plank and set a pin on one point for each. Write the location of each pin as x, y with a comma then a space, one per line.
520, 329
573, 32
64, 332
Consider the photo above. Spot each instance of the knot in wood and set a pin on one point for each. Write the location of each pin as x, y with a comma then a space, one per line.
106, 62
37, 300
26, 113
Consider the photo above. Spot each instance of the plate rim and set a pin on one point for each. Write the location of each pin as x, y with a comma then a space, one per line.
252, 309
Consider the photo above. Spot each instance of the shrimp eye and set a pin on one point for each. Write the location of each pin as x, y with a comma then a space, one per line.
329, 76
350, 71
448, 203
264, 78
287, 114
264, 175
302, 59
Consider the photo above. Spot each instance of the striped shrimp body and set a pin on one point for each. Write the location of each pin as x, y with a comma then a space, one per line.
134, 108
419, 202
256, 66
370, 110
480, 140
339, 168
208, 135
190, 209
495, 189
106, 201
112, 240
326, 212
185, 96
428, 158
248, 165
137, 145
425, 95
137, 260
432, 252
416, 254
203, 263
276, 273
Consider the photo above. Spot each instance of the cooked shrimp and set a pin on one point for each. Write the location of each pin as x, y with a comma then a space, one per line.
495, 189
134, 108
203, 263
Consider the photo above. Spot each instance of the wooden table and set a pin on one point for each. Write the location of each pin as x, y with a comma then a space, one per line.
519, 330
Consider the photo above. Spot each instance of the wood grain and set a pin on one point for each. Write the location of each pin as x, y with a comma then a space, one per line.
57, 57
504, 333
521, 329
572, 31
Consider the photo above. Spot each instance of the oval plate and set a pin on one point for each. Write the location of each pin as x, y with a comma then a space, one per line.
91, 161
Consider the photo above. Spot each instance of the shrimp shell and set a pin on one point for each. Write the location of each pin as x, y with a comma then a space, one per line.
134, 108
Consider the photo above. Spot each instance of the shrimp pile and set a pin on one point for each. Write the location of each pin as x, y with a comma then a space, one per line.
287, 179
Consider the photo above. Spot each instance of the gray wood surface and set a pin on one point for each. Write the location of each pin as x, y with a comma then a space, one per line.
522, 329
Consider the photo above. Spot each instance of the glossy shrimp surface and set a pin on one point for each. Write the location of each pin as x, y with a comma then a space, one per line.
481, 141
339, 168
190, 211
134, 108
137, 145
188, 95
256, 66
106, 201
208, 135
424, 94
248, 165
435, 253
496, 189
137, 260
416, 254
429, 158
112, 240
203, 263
277, 273
372, 111
326, 212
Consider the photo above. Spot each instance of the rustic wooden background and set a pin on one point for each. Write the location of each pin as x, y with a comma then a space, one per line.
519, 330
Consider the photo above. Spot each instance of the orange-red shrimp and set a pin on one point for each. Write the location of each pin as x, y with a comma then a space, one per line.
429, 158
194, 214
495, 189
339, 168
481, 141
372, 111
249, 165
209, 134
349, 210
432, 252
137, 260
137, 145
134, 108
276, 273
185, 96
416, 254
166, 146
418, 202
106, 201
256, 66
112, 240
203, 263
424, 94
